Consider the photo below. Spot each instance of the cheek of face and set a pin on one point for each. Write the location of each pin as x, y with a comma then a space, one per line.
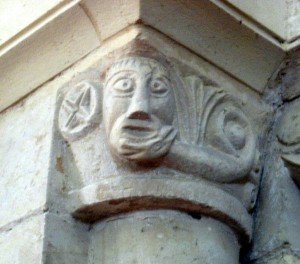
113, 108
164, 108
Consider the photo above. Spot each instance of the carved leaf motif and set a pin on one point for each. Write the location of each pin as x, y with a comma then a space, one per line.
80, 110
202, 101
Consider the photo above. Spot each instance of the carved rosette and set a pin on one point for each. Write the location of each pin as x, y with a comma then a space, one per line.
167, 141
289, 139
80, 110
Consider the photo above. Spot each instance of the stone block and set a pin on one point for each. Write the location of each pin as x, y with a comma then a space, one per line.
26, 133
278, 215
216, 39
23, 243
112, 16
27, 10
44, 54
65, 240
279, 257
259, 11
290, 77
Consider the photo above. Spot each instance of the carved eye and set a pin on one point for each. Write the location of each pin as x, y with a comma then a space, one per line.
159, 87
123, 86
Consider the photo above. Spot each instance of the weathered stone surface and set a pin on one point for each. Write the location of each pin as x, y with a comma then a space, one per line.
60, 43
65, 240
80, 110
168, 124
162, 237
157, 151
216, 39
259, 10
28, 10
62, 32
290, 76
23, 243
110, 17
122, 194
26, 133
289, 138
279, 258
278, 216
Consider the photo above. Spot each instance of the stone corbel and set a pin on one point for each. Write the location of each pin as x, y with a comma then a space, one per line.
148, 135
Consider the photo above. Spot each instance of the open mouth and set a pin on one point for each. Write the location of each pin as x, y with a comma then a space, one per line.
139, 128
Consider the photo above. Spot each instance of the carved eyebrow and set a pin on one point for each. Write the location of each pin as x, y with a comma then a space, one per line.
161, 76
157, 72
117, 73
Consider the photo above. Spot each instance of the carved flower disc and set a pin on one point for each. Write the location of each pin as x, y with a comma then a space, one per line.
79, 111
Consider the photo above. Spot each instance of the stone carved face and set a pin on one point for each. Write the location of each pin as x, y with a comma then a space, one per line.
138, 109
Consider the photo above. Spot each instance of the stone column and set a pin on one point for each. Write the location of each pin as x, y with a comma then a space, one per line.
162, 236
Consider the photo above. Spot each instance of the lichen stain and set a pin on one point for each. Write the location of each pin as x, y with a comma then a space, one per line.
39, 138
59, 165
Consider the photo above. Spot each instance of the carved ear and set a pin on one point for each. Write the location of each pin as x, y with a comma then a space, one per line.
80, 110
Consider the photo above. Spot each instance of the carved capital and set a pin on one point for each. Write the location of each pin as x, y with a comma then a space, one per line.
171, 138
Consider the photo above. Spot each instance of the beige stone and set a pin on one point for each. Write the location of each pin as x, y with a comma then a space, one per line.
24, 151
65, 240
216, 39
61, 45
260, 11
23, 243
293, 20
25, 13
282, 22
44, 54
111, 16
155, 142
162, 237
97, 180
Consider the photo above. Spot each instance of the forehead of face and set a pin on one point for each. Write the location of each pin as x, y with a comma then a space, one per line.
140, 65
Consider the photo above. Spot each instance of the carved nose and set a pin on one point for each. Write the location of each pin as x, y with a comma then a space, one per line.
139, 106
140, 115
139, 110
